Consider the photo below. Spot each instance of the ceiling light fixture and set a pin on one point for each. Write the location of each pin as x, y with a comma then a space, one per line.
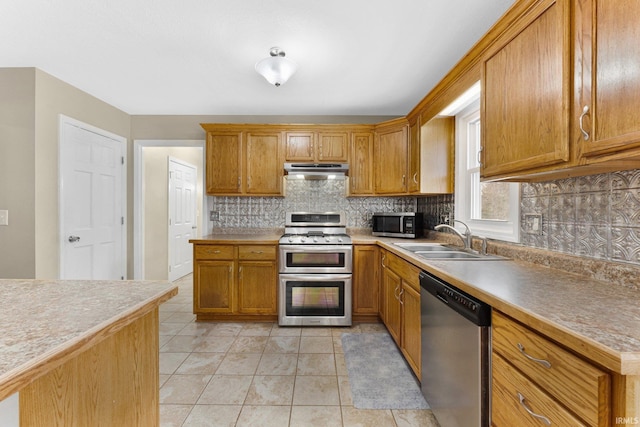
276, 68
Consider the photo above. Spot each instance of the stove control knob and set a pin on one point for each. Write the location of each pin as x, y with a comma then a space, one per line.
303, 239
340, 239
290, 239
315, 239
327, 239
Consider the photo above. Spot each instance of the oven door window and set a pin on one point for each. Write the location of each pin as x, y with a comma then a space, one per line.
320, 298
316, 259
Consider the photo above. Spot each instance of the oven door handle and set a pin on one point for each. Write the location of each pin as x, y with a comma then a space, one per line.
319, 277
316, 248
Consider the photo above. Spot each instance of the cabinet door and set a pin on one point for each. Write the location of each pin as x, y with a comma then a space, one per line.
413, 184
213, 286
299, 147
610, 80
390, 160
365, 280
526, 94
264, 164
224, 162
411, 341
257, 283
392, 285
361, 165
332, 147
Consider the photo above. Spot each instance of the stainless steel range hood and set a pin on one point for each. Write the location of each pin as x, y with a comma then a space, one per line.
316, 170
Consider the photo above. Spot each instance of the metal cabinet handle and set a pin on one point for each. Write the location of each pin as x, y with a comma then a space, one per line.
543, 362
209, 251
257, 252
530, 412
396, 293
400, 296
73, 239
585, 134
404, 179
382, 262
415, 178
480, 155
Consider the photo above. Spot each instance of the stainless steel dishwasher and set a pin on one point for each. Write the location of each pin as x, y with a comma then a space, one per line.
455, 354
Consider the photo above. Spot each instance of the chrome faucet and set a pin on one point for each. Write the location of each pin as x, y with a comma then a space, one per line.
466, 237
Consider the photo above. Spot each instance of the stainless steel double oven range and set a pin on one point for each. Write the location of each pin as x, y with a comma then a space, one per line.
315, 264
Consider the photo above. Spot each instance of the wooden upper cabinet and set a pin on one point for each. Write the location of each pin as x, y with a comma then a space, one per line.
243, 160
437, 141
526, 81
299, 147
361, 165
391, 157
332, 147
324, 146
264, 169
609, 32
224, 162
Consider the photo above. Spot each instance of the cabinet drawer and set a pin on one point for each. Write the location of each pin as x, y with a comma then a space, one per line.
267, 252
407, 271
509, 386
577, 384
214, 252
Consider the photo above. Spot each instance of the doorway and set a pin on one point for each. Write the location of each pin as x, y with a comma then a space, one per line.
151, 257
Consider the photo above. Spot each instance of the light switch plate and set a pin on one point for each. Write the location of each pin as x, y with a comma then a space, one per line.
4, 217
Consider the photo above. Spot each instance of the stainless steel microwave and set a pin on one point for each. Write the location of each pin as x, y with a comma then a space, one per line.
397, 224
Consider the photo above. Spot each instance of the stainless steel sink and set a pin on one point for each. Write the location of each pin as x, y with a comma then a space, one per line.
425, 247
444, 252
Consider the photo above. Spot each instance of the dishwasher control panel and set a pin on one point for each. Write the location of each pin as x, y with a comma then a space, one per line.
468, 306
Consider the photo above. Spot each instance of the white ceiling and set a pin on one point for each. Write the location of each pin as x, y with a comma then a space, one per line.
355, 57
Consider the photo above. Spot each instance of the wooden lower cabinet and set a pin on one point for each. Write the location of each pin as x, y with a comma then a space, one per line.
257, 287
365, 281
235, 282
534, 379
400, 308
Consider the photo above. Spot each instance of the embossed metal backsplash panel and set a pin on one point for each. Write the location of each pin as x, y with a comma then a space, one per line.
596, 216
303, 195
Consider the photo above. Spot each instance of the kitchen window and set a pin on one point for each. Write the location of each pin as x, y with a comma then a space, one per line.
490, 209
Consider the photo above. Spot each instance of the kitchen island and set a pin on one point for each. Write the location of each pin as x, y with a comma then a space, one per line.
82, 352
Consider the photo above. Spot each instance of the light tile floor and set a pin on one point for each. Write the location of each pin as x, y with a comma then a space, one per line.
259, 374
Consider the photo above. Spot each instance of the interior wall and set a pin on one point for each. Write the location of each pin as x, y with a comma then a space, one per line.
17, 172
52, 98
156, 202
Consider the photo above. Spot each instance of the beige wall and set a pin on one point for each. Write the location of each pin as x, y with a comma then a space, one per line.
17, 172
55, 97
30, 104
155, 182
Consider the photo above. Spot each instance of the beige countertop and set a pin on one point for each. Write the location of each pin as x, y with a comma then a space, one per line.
597, 319
572, 300
46, 322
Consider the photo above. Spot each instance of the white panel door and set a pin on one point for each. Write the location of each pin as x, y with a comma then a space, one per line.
91, 203
182, 217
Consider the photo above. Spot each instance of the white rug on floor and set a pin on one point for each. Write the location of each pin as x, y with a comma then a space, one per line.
378, 374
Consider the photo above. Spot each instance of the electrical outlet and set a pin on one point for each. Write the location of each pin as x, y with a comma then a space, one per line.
214, 215
532, 224
4, 217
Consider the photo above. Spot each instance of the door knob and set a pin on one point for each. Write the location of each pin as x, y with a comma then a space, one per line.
74, 238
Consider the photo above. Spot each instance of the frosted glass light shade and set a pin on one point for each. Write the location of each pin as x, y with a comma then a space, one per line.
276, 69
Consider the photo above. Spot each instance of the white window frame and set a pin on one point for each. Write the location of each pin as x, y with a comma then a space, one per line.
508, 230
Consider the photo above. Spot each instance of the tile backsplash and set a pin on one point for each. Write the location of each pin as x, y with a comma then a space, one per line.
595, 216
302, 195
